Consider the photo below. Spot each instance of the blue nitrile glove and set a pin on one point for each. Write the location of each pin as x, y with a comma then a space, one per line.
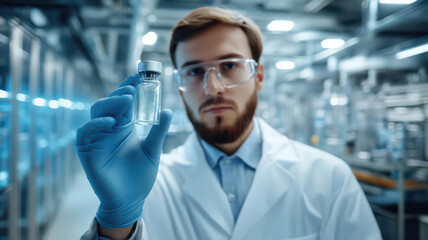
120, 166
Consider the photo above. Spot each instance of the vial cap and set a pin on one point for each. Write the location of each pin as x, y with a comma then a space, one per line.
149, 65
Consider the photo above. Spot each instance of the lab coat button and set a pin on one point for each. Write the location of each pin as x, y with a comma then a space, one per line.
231, 197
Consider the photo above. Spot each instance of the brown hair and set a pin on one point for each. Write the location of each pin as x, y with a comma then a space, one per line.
205, 17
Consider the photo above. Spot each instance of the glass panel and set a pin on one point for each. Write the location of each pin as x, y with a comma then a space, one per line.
5, 107
24, 164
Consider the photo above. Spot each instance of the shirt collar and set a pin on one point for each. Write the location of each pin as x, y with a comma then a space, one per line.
250, 151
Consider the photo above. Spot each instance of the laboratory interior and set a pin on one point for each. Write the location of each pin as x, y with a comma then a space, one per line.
345, 76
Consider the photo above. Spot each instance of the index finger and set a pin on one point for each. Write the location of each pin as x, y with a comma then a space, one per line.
131, 80
84, 134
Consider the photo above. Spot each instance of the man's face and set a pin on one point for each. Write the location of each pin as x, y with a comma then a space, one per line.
219, 114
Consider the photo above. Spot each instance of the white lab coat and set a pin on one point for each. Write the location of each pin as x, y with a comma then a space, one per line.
298, 193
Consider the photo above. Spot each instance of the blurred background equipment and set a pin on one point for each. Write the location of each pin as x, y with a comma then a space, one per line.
346, 76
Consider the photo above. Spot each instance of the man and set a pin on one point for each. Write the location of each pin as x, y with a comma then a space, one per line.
236, 177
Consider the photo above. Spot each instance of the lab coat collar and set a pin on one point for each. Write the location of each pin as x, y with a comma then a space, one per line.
271, 182
251, 150
277, 146
202, 186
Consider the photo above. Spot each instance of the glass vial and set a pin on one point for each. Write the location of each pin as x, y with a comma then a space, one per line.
148, 107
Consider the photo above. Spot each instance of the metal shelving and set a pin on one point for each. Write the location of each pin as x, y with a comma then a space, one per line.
400, 168
38, 120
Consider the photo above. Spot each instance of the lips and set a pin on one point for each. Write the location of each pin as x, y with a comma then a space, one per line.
217, 109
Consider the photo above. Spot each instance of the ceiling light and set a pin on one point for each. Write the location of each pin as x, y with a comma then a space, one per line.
397, 1
21, 97
151, 18
332, 43
38, 18
280, 26
39, 102
412, 51
65, 103
285, 65
150, 38
53, 104
4, 94
4, 39
80, 106
68, 103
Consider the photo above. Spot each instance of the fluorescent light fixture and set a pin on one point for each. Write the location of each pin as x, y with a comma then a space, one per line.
4, 94
307, 74
339, 100
40, 102
68, 103
4, 39
280, 26
4, 176
54, 104
80, 106
412, 51
151, 18
332, 43
150, 38
61, 102
397, 1
38, 18
285, 65
21, 97
65, 103
73, 106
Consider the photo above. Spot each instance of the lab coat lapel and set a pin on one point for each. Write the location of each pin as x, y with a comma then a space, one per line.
202, 186
271, 180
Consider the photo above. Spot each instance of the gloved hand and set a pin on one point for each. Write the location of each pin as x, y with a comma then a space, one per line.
120, 166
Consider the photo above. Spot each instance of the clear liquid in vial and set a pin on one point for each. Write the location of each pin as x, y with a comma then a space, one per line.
148, 102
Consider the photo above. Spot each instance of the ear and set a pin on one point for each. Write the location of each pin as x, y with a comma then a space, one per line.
259, 77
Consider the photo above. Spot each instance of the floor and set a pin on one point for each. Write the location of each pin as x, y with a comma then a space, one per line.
76, 212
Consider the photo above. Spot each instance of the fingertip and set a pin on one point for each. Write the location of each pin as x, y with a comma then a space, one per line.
107, 121
166, 117
94, 107
130, 80
132, 89
166, 114
128, 89
120, 100
128, 97
84, 133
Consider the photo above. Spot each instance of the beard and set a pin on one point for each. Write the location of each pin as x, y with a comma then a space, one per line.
230, 132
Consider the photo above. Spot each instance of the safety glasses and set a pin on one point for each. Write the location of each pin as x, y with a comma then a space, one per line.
230, 73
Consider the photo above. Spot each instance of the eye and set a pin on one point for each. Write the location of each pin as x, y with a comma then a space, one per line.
195, 71
228, 65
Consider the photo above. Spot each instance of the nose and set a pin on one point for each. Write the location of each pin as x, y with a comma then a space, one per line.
212, 82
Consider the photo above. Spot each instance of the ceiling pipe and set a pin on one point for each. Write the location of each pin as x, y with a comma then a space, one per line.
142, 8
388, 22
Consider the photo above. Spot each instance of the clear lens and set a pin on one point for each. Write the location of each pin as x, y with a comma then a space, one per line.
232, 73
235, 72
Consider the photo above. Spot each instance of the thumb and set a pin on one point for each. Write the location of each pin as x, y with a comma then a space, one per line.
154, 140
